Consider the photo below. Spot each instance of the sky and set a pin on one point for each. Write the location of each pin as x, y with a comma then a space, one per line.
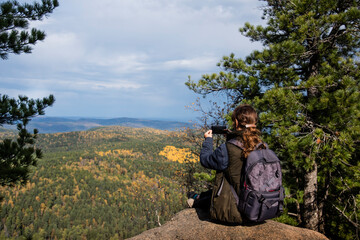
128, 58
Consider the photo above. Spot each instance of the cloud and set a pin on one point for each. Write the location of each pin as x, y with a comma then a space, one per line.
134, 52
158, 27
59, 52
135, 35
196, 63
120, 63
68, 85
109, 85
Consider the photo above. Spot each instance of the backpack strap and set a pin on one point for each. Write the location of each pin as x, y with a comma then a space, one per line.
240, 145
237, 143
281, 202
261, 144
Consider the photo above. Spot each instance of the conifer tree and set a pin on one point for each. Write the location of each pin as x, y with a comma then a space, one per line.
305, 85
14, 23
17, 156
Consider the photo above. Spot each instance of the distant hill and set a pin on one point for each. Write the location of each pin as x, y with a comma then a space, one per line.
62, 124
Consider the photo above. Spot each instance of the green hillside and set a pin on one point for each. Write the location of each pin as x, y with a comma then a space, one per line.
103, 183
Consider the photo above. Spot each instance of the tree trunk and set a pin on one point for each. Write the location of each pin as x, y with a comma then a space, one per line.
311, 213
322, 204
311, 210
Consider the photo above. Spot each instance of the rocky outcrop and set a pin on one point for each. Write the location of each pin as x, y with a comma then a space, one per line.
195, 224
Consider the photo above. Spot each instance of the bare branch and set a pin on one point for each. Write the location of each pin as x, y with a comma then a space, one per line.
293, 214
346, 217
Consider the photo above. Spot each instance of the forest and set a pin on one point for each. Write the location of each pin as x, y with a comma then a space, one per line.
104, 183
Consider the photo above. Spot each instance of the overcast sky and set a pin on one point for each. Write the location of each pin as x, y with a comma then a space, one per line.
128, 58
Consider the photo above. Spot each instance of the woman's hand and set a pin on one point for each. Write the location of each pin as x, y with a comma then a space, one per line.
208, 134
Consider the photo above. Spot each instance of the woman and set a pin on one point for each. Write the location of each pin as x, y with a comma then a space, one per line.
227, 160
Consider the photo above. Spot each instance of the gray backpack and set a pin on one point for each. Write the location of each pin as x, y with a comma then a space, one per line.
261, 194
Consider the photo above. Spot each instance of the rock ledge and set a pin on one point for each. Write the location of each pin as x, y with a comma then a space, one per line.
195, 224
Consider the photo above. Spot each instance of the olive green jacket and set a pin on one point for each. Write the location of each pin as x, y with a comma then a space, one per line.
223, 202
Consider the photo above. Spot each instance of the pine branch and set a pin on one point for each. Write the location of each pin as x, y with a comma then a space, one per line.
301, 88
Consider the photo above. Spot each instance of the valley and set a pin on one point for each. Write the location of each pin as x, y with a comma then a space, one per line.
104, 183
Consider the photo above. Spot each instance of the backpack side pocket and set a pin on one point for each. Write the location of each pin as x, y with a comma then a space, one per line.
250, 204
259, 206
269, 205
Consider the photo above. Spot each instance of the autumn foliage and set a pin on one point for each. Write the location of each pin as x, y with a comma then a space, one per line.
106, 183
180, 155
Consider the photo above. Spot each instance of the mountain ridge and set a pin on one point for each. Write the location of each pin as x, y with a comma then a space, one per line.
67, 124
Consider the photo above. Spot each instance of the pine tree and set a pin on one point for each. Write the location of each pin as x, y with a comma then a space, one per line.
17, 156
15, 16
305, 85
